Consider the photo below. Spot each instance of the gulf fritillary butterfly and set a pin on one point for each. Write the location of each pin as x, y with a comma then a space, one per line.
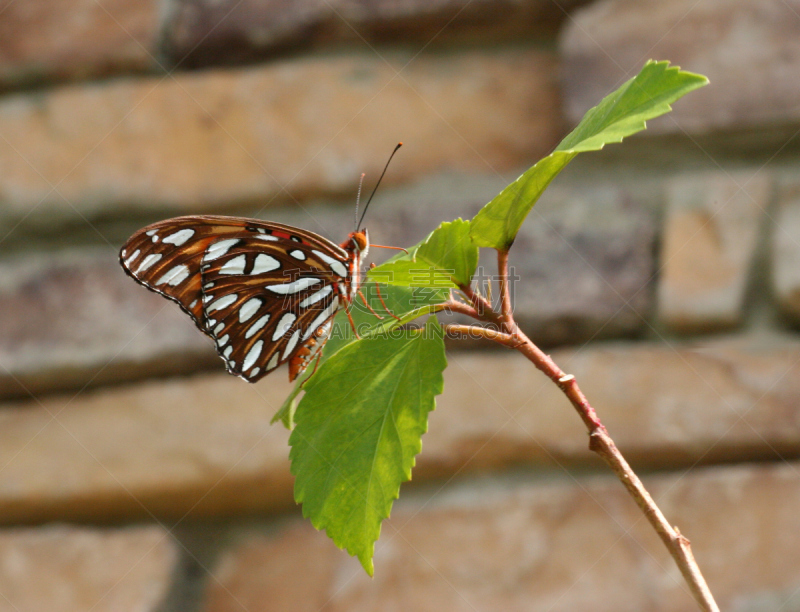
266, 293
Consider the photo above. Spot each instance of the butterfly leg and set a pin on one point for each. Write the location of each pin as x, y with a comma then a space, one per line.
380, 297
314, 371
386, 308
352, 324
366, 303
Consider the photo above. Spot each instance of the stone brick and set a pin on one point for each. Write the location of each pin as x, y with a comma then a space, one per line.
785, 235
73, 319
199, 446
64, 39
204, 32
74, 569
750, 51
538, 544
585, 265
710, 236
202, 446
208, 141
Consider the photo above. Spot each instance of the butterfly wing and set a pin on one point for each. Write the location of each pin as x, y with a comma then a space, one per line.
264, 292
265, 300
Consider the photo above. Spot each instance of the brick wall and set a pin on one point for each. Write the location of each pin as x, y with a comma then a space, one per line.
664, 273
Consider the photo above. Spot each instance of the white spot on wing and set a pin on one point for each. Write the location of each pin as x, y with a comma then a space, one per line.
273, 362
228, 352
321, 318
316, 297
254, 371
179, 237
336, 265
174, 276
293, 287
267, 237
218, 328
257, 325
148, 261
291, 344
223, 341
248, 309
222, 302
265, 263
130, 259
298, 254
235, 265
284, 324
252, 355
218, 249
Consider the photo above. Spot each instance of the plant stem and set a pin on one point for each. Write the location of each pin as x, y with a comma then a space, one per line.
599, 440
602, 444
473, 331
505, 293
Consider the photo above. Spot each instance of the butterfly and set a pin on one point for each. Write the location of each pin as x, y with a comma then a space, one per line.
265, 293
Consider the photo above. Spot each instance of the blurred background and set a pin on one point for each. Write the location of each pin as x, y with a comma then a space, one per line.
663, 273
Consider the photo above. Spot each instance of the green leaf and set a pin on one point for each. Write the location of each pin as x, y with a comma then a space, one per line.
620, 114
358, 430
446, 258
408, 303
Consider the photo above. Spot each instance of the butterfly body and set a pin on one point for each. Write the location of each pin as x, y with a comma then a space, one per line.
266, 293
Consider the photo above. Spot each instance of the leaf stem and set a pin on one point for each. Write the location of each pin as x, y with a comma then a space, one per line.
505, 293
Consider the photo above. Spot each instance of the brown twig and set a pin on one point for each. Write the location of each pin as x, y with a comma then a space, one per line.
599, 440
473, 331
505, 293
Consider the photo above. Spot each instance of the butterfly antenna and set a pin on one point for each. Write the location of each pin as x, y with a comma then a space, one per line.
399, 144
358, 196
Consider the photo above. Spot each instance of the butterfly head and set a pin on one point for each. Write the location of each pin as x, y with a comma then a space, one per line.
358, 242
